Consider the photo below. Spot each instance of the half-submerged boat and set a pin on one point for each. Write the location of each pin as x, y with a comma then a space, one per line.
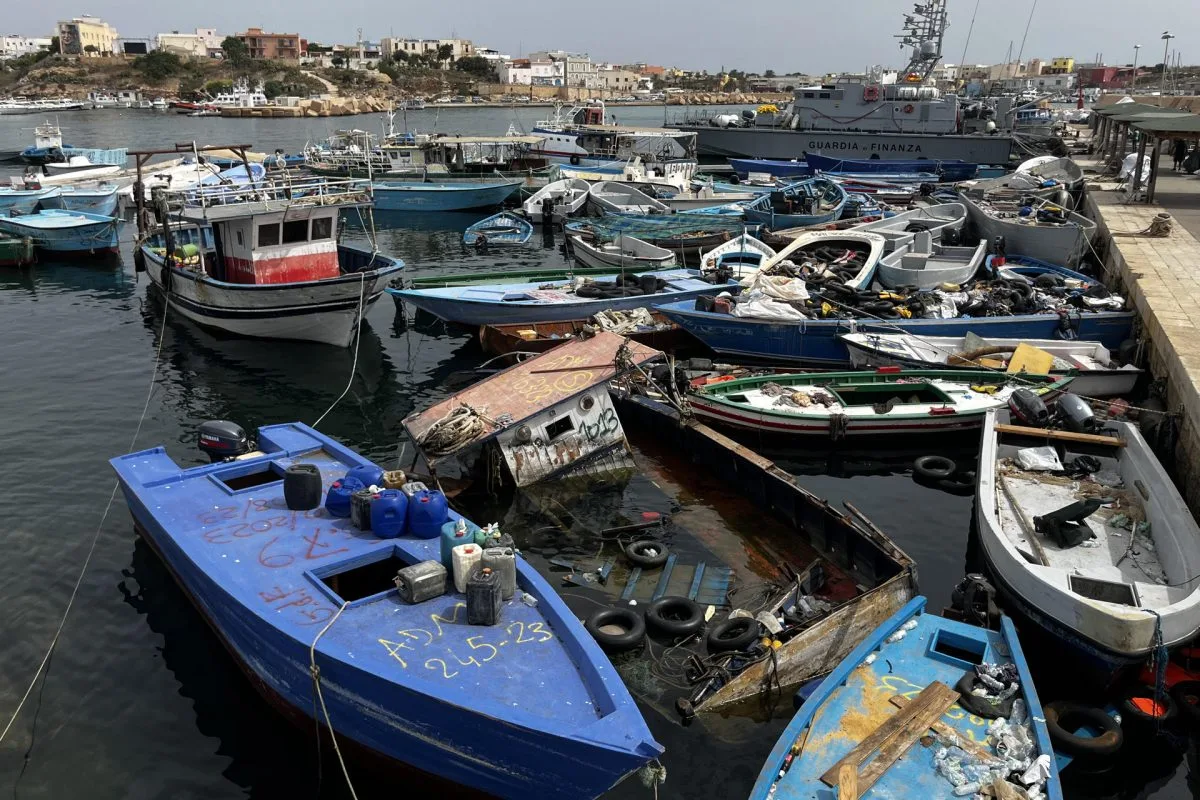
563, 198
1094, 371
541, 302
458, 196
948, 170
887, 401
58, 231
652, 330
614, 197
1112, 602
267, 264
912, 680
529, 707
926, 265
101, 199
623, 252
939, 219
814, 201
503, 228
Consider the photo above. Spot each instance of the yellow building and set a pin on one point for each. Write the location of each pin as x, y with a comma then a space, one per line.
1061, 66
86, 36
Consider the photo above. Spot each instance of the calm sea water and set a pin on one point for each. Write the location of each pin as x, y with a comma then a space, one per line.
141, 699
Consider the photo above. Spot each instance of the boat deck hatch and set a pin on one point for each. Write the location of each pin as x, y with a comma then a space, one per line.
359, 580
954, 646
1104, 591
871, 394
261, 475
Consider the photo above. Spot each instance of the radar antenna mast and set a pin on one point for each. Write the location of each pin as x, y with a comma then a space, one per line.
924, 29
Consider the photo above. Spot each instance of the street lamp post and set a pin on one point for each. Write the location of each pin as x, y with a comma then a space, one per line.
1166, 37
1133, 79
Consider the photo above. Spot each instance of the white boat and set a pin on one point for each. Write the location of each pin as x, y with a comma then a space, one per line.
269, 265
79, 164
705, 197
1117, 600
1044, 230
627, 252
742, 254
851, 256
939, 219
613, 197
1095, 373
1063, 171
567, 197
926, 265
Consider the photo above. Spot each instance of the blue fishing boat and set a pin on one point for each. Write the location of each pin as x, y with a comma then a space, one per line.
101, 199
59, 231
915, 674
813, 201
307, 604
816, 341
23, 201
488, 304
950, 170
502, 228
458, 196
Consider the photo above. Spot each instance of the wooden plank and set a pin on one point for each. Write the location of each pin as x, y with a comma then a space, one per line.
631, 583
697, 576
848, 782
942, 729
665, 578
1031, 534
1062, 436
938, 704
890, 727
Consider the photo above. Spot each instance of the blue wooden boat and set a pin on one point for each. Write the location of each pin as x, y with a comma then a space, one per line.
816, 341
813, 201
101, 199
856, 699
23, 201
458, 196
796, 170
489, 304
950, 170
528, 708
59, 231
502, 228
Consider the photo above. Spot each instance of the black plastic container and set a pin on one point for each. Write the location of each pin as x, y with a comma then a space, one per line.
302, 487
360, 509
484, 597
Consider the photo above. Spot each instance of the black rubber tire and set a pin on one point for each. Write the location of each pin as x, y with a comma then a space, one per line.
632, 623
934, 468
1186, 695
1131, 714
675, 616
1060, 715
878, 307
959, 487
646, 553
734, 633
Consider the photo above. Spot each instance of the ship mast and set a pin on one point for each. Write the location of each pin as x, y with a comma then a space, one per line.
923, 31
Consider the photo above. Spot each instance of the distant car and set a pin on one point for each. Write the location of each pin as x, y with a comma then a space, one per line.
458, 98
442, 100
477, 99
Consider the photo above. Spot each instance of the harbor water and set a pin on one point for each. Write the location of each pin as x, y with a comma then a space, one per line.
141, 700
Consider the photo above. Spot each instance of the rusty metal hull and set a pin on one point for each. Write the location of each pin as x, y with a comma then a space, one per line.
872, 559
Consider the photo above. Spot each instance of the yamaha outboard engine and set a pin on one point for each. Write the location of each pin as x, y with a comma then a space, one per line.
1029, 409
223, 440
1076, 414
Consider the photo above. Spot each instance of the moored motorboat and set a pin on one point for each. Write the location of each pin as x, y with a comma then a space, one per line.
813, 201
503, 228
945, 170
1107, 605
461, 196
267, 264
915, 672
741, 254
63, 232
926, 265
1040, 229
101, 199
615, 197
566, 197
937, 219
652, 330
23, 201
887, 401
1090, 364
310, 607
623, 252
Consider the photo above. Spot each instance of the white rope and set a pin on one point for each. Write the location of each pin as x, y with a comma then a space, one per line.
95, 537
316, 676
362, 288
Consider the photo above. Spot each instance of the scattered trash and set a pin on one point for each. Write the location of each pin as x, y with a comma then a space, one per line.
1039, 458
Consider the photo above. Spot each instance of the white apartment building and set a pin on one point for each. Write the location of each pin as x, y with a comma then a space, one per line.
15, 45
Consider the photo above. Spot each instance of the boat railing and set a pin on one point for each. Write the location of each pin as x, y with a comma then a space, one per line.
274, 194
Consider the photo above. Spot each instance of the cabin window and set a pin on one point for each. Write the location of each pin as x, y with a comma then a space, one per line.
268, 235
322, 228
809, 95
239, 238
558, 428
824, 95
295, 231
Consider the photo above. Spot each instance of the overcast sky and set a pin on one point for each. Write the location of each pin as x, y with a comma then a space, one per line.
784, 35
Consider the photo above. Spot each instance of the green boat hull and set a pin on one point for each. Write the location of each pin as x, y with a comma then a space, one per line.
15, 252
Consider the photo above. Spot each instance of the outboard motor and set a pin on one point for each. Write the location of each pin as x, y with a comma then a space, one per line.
1076, 414
223, 440
1029, 408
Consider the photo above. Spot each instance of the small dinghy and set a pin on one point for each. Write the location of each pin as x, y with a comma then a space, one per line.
624, 252
503, 228
24, 201
58, 231
918, 675
740, 255
79, 167
1091, 365
566, 198
614, 197
814, 201
100, 199
926, 265
947, 218
1101, 553
461, 196
520, 705
888, 401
